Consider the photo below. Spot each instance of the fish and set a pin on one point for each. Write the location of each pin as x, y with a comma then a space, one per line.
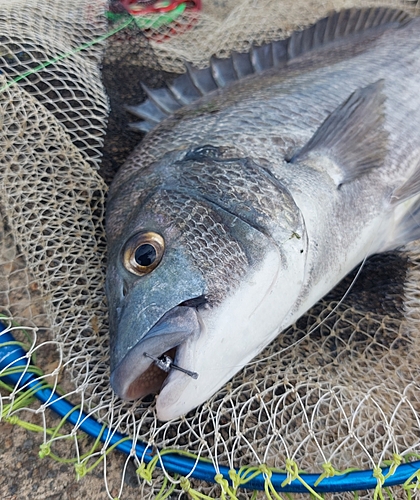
262, 181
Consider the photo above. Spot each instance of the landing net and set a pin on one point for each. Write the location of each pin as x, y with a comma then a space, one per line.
338, 391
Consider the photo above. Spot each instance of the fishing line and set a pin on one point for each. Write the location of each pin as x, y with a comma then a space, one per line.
66, 55
140, 21
314, 328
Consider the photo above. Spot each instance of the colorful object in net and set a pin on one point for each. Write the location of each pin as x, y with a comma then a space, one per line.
156, 14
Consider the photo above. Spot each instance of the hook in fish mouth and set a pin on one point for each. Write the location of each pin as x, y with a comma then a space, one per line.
145, 367
165, 363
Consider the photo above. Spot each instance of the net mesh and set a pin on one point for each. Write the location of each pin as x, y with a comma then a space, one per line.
339, 387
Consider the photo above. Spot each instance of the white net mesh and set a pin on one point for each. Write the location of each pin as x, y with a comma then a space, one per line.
339, 387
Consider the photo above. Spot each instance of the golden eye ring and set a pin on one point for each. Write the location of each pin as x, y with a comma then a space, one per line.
143, 252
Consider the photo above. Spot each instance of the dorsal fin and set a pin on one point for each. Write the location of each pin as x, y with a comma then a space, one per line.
197, 82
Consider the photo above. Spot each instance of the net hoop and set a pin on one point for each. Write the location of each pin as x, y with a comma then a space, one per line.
14, 371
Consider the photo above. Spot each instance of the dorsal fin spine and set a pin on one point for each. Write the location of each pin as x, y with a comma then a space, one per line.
331, 28
242, 64
191, 75
261, 57
371, 18
279, 50
380, 17
188, 78
202, 79
319, 32
223, 71
168, 105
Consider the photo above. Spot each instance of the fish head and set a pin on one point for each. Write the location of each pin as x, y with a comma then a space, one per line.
196, 283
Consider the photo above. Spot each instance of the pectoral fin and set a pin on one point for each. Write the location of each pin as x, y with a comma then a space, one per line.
410, 188
406, 203
353, 135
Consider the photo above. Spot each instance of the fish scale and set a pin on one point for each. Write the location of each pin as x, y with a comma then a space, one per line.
188, 214
302, 158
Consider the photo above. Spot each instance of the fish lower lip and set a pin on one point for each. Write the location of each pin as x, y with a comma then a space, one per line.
139, 373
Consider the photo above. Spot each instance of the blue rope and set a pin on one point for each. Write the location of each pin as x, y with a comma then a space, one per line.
14, 356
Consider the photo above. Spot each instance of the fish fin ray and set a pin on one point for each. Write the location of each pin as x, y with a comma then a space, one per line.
410, 188
163, 99
279, 50
242, 64
143, 126
405, 201
195, 83
148, 111
223, 71
184, 89
353, 135
261, 57
408, 228
202, 78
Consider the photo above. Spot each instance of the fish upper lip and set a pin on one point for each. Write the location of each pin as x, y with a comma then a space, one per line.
135, 376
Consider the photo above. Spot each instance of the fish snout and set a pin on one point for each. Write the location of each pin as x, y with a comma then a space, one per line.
144, 368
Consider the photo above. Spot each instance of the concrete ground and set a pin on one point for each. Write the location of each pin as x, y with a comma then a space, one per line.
25, 476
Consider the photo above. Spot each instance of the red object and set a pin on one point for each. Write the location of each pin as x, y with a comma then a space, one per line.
179, 25
139, 7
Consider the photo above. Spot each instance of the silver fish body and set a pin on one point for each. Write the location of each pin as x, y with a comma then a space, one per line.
271, 177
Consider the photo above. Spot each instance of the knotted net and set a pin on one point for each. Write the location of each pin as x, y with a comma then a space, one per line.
339, 390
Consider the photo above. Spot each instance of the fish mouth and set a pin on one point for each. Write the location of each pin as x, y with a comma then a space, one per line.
145, 367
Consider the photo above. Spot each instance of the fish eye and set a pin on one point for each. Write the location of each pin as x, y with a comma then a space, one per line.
143, 252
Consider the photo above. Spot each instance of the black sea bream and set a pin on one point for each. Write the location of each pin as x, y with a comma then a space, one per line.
264, 180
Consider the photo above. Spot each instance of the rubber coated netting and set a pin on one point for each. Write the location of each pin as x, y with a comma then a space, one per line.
340, 388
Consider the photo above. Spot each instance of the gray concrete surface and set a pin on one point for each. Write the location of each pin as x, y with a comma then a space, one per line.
25, 476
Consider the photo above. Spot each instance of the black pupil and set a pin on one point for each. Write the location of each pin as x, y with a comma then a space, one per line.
145, 255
